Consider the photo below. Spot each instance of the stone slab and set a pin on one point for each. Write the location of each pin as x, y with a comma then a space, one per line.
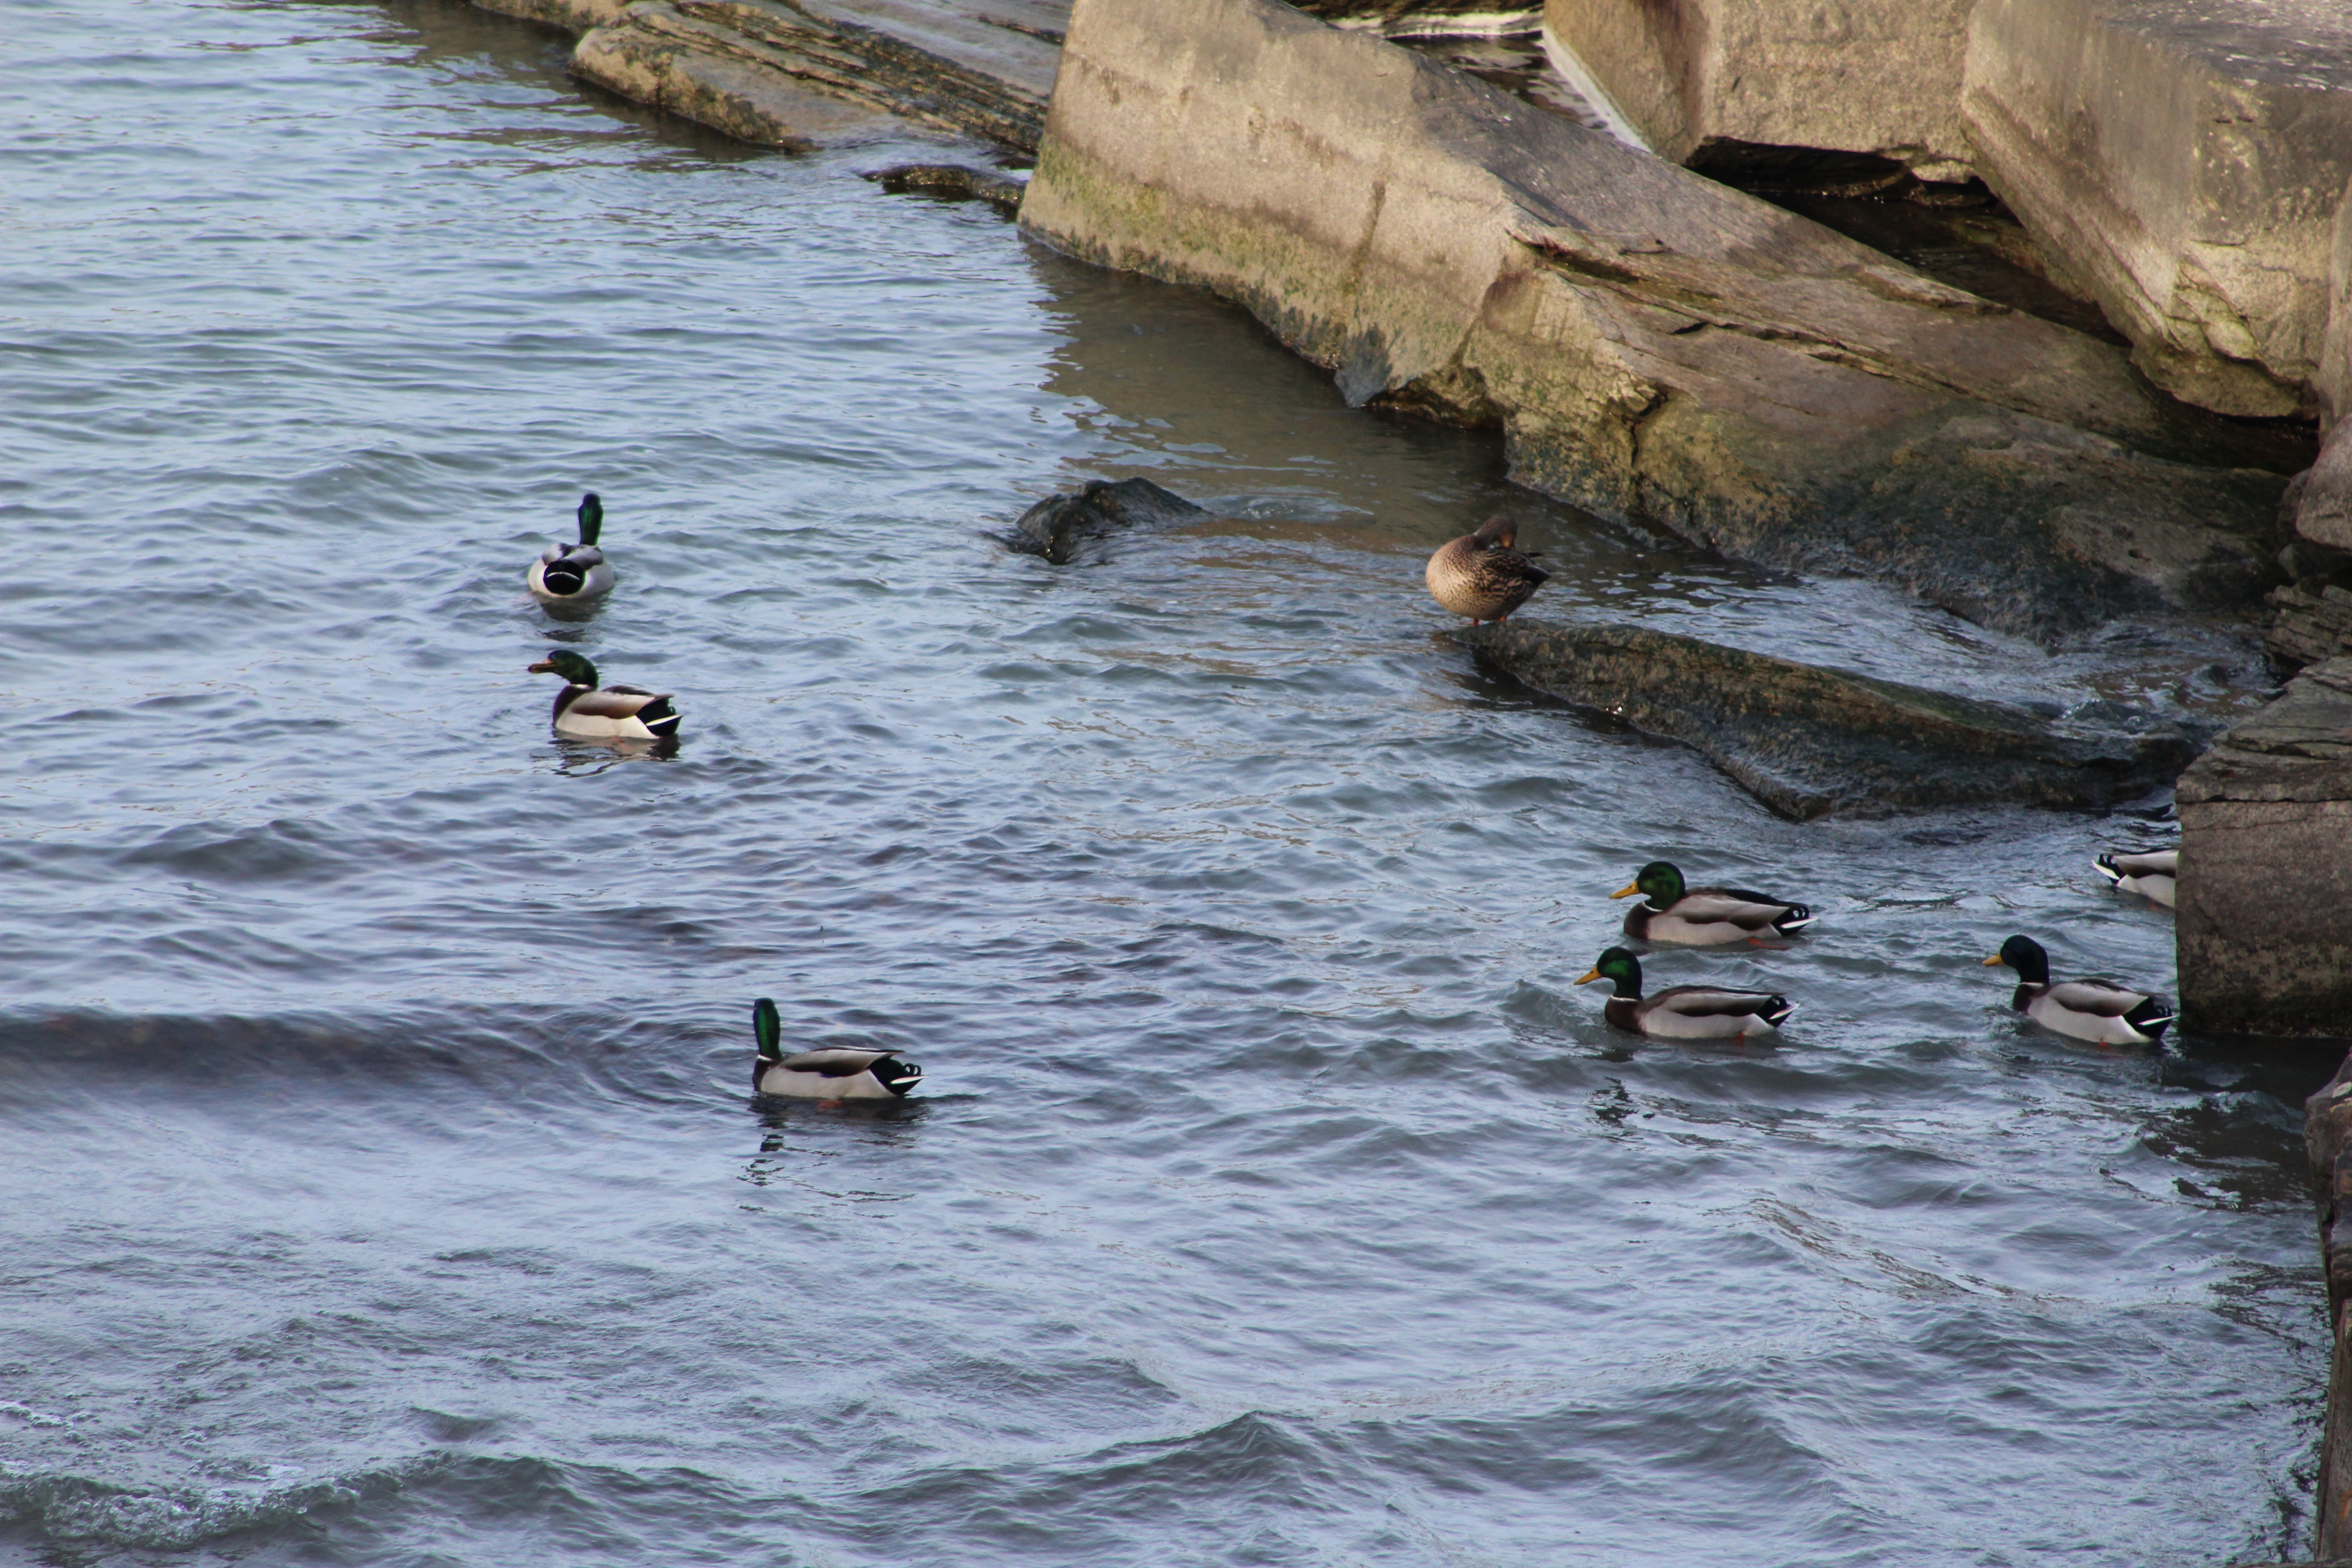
2187, 159
1881, 76
2264, 919
1657, 348
1806, 740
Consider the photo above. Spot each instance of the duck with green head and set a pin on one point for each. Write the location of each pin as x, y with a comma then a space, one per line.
1683, 1012
1703, 917
2097, 1010
568, 573
614, 713
833, 1075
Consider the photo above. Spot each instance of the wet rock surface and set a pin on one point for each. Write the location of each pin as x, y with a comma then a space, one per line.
1807, 740
2265, 910
1658, 348
956, 180
1056, 527
800, 73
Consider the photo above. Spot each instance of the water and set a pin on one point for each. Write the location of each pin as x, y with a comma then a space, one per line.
380, 1184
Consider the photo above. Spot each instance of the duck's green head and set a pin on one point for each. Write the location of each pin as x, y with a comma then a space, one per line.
562, 661
1618, 966
1658, 882
592, 517
2024, 955
768, 1029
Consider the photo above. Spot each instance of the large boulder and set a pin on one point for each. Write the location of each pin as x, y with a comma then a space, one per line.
1881, 76
2188, 162
2265, 911
1807, 740
1657, 348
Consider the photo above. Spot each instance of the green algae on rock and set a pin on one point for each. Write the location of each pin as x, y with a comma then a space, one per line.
1806, 740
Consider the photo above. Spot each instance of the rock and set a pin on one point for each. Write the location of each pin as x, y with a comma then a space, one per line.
952, 180
1657, 348
2327, 1138
1806, 740
2265, 911
2324, 510
573, 15
1881, 76
1055, 526
796, 73
2188, 159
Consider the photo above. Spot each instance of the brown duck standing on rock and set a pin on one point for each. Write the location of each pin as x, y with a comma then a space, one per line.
1481, 575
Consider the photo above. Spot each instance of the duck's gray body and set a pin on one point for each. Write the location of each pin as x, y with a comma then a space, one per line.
2096, 1010
837, 1074
1706, 917
2153, 874
1699, 1013
1480, 576
566, 575
615, 712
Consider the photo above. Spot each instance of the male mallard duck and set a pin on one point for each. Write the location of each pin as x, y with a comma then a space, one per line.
1481, 575
1683, 1012
2097, 1010
615, 712
834, 1075
2152, 874
1701, 917
567, 574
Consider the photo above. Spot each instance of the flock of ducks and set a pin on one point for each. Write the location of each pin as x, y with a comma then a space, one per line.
1483, 576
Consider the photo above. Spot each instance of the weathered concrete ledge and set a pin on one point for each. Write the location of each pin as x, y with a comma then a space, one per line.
2264, 920
795, 73
1881, 76
2188, 159
1807, 740
1657, 347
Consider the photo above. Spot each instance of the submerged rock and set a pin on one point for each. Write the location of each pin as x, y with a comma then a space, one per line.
1658, 348
1807, 740
2265, 911
952, 180
1055, 526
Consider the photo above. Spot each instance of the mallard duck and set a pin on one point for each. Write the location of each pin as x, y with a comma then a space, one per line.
1701, 917
567, 574
2152, 873
1683, 1012
2097, 1010
831, 1074
615, 712
1481, 575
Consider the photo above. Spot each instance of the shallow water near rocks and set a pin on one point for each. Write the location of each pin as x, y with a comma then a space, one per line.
380, 1184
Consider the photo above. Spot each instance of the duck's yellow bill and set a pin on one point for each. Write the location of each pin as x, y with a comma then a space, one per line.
1587, 977
1994, 961
1627, 891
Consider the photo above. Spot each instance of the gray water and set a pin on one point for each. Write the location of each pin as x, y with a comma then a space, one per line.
381, 1184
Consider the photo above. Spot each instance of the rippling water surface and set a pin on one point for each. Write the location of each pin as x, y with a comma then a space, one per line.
380, 1184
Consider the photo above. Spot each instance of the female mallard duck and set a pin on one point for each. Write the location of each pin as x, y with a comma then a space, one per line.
1701, 917
615, 712
1481, 575
2152, 874
830, 1075
567, 574
1683, 1012
2097, 1010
